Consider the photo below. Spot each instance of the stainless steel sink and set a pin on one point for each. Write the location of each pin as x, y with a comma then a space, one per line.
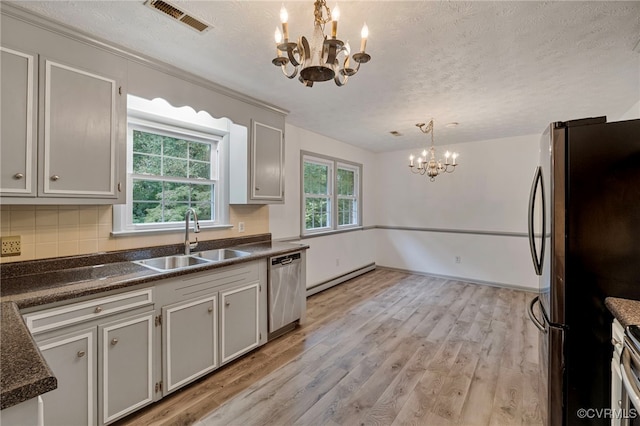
220, 254
170, 263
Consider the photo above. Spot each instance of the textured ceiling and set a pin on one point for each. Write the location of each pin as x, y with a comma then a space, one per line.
500, 69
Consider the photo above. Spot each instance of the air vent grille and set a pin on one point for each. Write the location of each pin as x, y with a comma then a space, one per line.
194, 23
178, 14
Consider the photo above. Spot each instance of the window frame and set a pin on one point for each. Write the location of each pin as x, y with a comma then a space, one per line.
149, 122
334, 164
356, 193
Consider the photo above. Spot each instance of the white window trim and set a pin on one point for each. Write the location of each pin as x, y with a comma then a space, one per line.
334, 164
357, 169
330, 194
144, 117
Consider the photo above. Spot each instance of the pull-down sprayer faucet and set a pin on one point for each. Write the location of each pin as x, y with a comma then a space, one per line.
188, 245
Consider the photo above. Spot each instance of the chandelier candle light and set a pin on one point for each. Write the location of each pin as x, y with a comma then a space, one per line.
430, 166
323, 59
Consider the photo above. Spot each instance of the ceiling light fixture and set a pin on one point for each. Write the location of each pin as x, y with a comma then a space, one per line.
323, 59
430, 166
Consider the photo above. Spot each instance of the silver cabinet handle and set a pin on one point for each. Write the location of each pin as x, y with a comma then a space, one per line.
18, 176
114, 341
55, 177
210, 308
97, 310
81, 354
227, 304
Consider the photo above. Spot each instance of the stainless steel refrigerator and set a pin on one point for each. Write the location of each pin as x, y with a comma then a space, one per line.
584, 233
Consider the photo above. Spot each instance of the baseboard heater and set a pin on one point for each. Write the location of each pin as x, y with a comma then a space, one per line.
340, 279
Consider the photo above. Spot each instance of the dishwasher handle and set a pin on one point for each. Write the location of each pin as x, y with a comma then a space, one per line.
285, 260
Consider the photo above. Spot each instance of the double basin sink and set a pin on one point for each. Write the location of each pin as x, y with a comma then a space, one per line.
175, 262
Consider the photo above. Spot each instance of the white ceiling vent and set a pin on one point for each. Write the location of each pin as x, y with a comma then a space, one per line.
178, 14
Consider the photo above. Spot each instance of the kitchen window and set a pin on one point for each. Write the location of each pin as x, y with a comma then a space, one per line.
174, 162
330, 194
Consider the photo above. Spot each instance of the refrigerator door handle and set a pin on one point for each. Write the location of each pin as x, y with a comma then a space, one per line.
537, 182
539, 325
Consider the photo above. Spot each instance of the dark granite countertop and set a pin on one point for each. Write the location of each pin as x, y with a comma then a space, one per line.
23, 372
626, 311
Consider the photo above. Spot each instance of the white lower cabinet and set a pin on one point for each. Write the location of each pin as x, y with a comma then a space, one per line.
114, 354
72, 358
190, 340
239, 320
101, 353
210, 318
28, 412
126, 366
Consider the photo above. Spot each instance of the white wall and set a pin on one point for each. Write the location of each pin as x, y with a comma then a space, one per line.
632, 114
333, 255
488, 193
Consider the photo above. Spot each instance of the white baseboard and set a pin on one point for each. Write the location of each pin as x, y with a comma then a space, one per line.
466, 280
340, 279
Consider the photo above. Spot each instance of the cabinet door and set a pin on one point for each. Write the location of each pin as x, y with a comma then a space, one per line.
18, 117
190, 341
72, 358
126, 366
239, 320
80, 133
267, 159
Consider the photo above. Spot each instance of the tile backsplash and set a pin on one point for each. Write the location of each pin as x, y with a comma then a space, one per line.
54, 231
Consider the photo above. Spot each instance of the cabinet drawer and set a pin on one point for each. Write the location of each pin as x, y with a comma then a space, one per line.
49, 319
203, 283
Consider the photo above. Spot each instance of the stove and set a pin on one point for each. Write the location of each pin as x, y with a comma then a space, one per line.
630, 369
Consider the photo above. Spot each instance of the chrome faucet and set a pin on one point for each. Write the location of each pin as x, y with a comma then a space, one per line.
188, 245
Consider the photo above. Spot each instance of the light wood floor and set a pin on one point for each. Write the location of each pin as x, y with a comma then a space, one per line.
386, 348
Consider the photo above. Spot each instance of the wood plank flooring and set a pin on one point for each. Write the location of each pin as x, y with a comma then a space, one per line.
386, 348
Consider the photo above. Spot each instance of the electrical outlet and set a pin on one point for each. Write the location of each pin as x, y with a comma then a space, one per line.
240, 226
458, 259
11, 246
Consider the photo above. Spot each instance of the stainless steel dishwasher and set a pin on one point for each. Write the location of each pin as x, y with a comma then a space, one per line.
285, 294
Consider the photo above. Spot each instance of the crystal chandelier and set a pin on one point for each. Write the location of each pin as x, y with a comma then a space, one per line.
321, 58
430, 166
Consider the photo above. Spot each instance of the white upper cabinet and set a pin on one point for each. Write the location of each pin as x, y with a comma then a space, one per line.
79, 127
257, 165
267, 160
18, 75
63, 119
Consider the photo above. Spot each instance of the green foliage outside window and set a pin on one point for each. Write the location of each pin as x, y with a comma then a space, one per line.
186, 163
346, 182
316, 184
347, 204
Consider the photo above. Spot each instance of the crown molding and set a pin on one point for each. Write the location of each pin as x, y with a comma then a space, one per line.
13, 10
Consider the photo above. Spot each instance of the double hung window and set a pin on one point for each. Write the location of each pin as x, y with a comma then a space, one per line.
172, 171
330, 194
174, 162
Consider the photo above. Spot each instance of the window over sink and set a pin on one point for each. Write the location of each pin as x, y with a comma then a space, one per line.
176, 159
